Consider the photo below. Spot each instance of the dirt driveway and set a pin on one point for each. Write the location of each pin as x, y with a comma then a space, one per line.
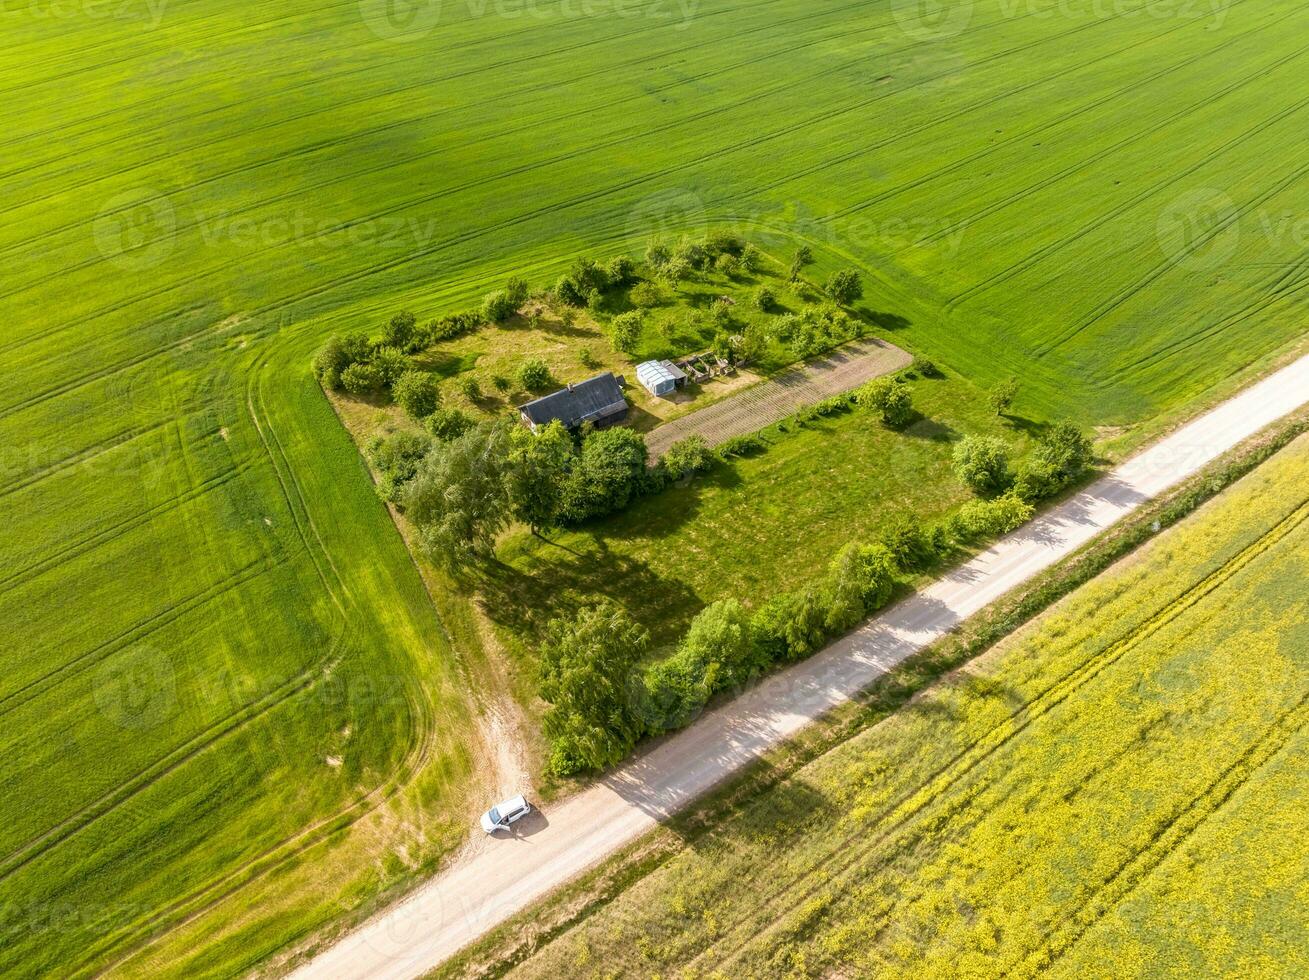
847, 367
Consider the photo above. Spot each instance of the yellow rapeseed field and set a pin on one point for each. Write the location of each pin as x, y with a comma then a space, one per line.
1118, 790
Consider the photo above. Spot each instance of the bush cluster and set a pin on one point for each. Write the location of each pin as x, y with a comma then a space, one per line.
816, 330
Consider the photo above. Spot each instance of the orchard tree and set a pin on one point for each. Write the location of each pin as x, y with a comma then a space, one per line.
534, 374
1002, 395
588, 668
803, 256
539, 469
625, 331
416, 392
608, 472
982, 462
497, 307
361, 379
889, 400
399, 331
844, 287
459, 498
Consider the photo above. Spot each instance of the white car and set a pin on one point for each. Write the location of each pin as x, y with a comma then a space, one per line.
500, 816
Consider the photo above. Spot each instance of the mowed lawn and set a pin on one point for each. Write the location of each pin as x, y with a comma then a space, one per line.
219, 657
1118, 790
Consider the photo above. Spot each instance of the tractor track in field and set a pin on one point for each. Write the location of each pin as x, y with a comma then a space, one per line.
1170, 262
1134, 87
32, 689
399, 90
473, 234
1035, 258
891, 822
1153, 129
83, 456
1138, 867
428, 198
82, 546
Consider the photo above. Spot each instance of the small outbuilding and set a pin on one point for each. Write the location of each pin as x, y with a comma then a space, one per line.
597, 400
660, 377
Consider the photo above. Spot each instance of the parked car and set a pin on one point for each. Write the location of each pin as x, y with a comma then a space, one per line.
500, 816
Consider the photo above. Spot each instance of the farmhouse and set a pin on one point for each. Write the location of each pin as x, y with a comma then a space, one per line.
598, 400
660, 377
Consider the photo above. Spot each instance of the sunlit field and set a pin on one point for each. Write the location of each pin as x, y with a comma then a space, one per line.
228, 709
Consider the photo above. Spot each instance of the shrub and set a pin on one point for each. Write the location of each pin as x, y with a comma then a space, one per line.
860, 580
625, 331
644, 295
361, 379
764, 299
981, 519
391, 363
719, 243
330, 361
719, 651
620, 270
924, 368
587, 665
416, 392
791, 626
657, 254
446, 424
736, 446
399, 331
752, 259
844, 287
396, 458
589, 275
451, 327
567, 290
595, 300
674, 271
908, 543
1002, 395
686, 457
608, 472
497, 307
982, 462
517, 290
728, 265
534, 375
692, 253
470, 387
889, 400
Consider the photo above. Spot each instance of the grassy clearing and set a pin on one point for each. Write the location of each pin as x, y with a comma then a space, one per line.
200, 193
1115, 788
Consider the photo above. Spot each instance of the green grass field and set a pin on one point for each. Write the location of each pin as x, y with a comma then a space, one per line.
1116, 790
228, 708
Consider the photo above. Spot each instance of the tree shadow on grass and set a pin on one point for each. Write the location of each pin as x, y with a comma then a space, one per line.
1030, 427
932, 430
563, 580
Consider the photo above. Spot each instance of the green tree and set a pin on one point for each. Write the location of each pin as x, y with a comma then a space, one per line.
540, 464
446, 424
982, 462
459, 498
391, 363
588, 666
728, 265
625, 331
399, 330
517, 290
534, 375
497, 307
396, 458
844, 286
859, 581
361, 379
686, 456
1002, 395
803, 256
764, 299
675, 271
608, 472
752, 259
656, 254
644, 295
889, 399
417, 393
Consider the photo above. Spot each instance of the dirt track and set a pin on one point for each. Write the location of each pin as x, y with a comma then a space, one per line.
776, 398
507, 875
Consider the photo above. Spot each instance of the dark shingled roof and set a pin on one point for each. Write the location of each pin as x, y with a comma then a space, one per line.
587, 401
